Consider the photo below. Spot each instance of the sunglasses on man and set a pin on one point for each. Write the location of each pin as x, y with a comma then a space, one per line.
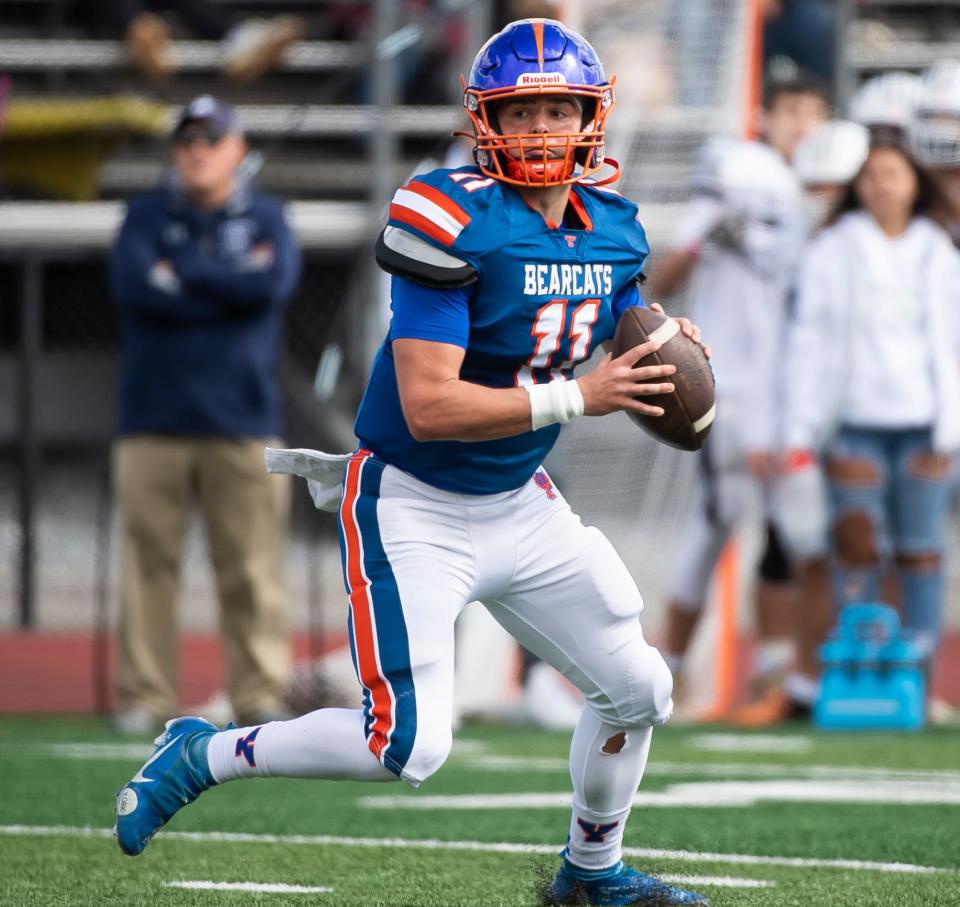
209, 137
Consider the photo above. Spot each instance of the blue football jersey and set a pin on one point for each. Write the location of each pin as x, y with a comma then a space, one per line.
527, 299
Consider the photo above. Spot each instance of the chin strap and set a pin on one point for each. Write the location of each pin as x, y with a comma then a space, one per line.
614, 166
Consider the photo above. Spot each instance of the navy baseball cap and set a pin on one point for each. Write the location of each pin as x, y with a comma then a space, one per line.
207, 108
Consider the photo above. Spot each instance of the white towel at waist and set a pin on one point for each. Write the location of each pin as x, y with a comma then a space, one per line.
324, 472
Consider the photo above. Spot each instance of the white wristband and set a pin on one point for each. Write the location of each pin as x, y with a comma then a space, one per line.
557, 401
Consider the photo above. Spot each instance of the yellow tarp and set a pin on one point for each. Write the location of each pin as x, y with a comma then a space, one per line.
57, 145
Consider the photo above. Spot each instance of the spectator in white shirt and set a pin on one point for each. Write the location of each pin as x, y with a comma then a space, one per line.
873, 384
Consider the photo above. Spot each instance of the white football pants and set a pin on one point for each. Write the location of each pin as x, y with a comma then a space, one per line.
795, 503
413, 556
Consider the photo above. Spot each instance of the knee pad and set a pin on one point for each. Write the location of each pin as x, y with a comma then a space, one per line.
430, 751
644, 697
799, 510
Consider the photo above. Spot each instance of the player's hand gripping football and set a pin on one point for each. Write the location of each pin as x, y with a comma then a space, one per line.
615, 384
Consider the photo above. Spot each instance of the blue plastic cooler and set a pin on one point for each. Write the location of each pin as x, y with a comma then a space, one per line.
873, 677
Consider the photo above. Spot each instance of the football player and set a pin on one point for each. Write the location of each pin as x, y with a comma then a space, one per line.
737, 246
506, 275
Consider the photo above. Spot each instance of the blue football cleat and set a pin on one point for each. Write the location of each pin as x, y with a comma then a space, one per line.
617, 885
175, 775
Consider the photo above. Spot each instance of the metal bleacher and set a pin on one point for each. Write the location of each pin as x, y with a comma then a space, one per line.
900, 34
309, 116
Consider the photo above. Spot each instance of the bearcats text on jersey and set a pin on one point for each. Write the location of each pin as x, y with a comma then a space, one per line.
567, 279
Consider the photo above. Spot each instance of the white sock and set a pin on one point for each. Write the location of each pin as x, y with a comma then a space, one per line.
604, 785
328, 744
774, 657
801, 688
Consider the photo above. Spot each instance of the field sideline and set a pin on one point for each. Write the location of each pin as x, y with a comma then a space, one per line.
750, 819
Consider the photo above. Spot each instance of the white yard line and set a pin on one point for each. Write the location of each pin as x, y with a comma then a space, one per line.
282, 888
265, 887
717, 881
473, 755
718, 769
100, 752
703, 794
750, 743
685, 856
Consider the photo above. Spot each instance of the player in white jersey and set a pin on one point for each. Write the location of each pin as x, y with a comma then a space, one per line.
739, 241
506, 275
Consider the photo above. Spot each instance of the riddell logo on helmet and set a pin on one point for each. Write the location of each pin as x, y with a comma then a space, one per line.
541, 78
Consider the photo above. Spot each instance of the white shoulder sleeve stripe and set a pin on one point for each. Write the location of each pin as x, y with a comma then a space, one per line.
414, 201
410, 246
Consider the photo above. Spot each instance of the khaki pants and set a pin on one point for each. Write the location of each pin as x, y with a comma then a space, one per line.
245, 512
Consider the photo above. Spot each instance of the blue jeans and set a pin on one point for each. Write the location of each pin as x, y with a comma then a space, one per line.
889, 496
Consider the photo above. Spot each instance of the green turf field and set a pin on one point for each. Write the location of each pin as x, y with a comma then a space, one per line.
806, 819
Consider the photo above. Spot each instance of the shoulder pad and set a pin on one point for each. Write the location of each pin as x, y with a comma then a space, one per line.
401, 252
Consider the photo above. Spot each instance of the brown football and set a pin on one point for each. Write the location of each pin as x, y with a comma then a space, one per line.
689, 410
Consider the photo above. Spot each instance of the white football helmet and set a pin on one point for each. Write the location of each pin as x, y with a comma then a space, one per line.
734, 169
760, 196
832, 154
887, 100
935, 129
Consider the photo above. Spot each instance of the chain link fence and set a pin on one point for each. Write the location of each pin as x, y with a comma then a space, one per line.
74, 404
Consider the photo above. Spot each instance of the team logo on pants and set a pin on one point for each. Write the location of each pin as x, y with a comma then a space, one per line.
543, 481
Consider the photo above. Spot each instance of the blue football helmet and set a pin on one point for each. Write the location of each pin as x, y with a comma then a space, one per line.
538, 57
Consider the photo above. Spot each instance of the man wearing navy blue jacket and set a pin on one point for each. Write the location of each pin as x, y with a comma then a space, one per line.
202, 270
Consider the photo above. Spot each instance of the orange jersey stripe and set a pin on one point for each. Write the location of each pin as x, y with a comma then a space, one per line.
423, 224
580, 208
361, 608
438, 198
